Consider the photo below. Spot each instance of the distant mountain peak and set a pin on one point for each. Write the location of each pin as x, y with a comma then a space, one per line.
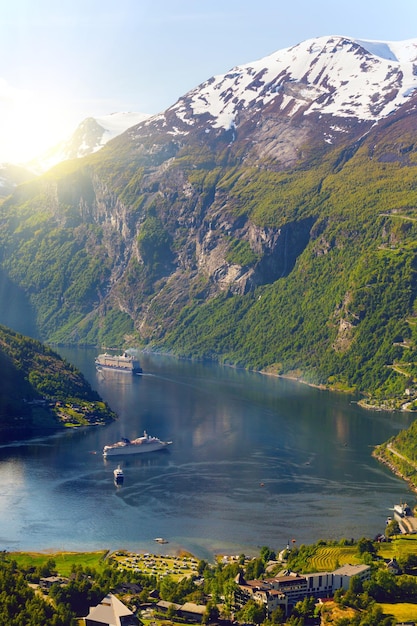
91, 135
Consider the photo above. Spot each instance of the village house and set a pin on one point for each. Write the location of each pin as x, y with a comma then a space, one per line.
163, 606
192, 612
189, 611
47, 582
393, 567
110, 612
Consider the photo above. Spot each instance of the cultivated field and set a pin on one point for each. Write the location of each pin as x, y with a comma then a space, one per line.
328, 558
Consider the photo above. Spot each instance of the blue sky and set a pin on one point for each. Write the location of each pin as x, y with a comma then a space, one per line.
64, 60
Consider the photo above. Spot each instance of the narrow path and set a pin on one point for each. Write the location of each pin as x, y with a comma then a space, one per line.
401, 456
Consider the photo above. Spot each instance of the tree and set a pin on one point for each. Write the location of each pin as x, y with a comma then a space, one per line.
267, 554
276, 617
171, 612
201, 567
251, 613
407, 562
47, 569
229, 594
366, 546
144, 595
355, 585
392, 528
305, 608
211, 614
406, 588
382, 586
254, 569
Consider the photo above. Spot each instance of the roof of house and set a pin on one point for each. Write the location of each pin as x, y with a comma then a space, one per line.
109, 611
164, 604
190, 607
351, 570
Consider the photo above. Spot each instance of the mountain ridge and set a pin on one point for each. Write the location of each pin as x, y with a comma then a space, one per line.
315, 75
284, 242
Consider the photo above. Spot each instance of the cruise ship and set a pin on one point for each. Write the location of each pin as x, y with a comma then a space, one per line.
121, 363
135, 446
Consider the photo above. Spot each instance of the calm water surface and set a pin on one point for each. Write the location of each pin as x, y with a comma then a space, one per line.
255, 461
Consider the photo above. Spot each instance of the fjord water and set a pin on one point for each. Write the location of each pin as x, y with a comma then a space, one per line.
255, 461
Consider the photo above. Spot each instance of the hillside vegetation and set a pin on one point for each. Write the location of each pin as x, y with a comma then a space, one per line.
40, 392
308, 272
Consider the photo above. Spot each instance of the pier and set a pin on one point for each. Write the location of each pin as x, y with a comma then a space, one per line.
405, 518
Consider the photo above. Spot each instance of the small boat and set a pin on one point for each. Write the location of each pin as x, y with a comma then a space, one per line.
160, 540
118, 475
135, 446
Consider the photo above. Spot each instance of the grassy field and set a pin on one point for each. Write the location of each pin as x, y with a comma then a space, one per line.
401, 546
403, 611
150, 564
64, 560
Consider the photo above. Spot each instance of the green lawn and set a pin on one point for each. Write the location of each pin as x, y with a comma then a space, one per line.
400, 546
64, 560
403, 611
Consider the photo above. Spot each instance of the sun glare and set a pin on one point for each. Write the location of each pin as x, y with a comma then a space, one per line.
30, 124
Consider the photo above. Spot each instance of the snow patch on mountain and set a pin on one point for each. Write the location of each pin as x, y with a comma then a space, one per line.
334, 76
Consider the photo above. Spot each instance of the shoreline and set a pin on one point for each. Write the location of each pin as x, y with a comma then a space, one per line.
392, 466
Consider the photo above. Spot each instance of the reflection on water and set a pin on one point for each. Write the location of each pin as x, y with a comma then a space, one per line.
254, 461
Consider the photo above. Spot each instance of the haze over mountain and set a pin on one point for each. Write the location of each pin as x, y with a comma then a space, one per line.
91, 135
266, 219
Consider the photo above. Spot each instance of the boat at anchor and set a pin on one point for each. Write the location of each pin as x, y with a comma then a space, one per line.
135, 446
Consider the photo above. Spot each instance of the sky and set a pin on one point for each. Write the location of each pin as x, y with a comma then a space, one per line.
64, 60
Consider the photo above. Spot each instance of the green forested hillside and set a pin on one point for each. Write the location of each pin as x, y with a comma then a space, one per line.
308, 271
39, 391
345, 315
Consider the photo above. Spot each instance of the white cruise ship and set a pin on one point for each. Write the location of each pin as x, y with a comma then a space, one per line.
121, 363
135, 446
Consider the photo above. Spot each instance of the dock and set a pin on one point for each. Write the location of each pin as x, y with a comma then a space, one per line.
405, 518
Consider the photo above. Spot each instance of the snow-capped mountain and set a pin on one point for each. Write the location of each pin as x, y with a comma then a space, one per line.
91, 135
344, 79
289, 181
